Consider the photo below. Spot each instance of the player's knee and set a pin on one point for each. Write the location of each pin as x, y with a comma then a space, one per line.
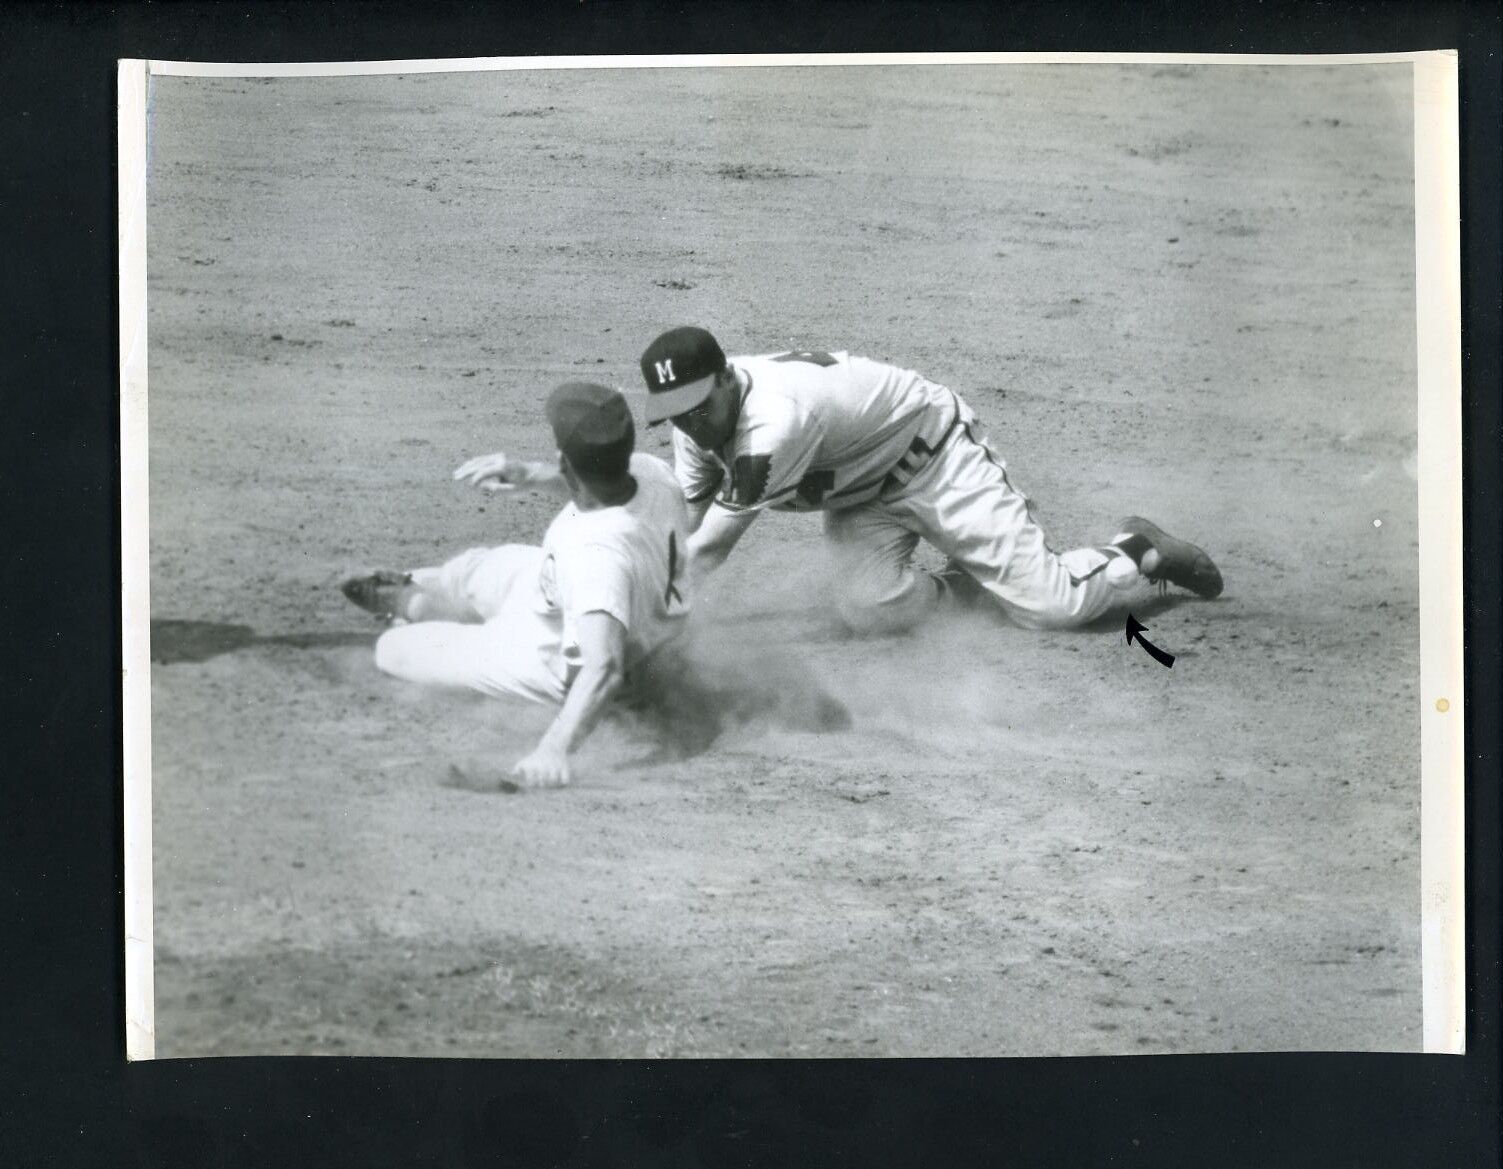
890, 607
393, 652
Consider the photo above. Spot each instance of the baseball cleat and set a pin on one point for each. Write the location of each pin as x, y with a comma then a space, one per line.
1179, 561
379, 594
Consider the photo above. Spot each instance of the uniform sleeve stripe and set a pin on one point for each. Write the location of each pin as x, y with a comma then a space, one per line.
768, 501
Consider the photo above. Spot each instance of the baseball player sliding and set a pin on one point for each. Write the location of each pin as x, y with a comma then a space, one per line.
565, 623
890, 458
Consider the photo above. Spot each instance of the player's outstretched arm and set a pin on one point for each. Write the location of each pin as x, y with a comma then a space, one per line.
500, 472
602, 651
713, 540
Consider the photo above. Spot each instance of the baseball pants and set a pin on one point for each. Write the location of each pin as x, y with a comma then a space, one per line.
478, 625
962, 502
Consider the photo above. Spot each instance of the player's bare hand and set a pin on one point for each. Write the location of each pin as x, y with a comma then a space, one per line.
494, 472
545, 767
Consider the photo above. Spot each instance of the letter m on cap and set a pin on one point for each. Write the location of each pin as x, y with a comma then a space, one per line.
664, 370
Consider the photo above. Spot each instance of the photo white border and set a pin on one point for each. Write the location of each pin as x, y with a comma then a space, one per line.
135, 563
757, 60
1438, 317
1437, 270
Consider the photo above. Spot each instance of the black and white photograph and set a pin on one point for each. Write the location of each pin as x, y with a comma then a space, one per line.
663, 558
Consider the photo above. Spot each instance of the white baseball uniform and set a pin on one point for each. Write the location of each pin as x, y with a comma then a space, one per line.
891, 458
522, 604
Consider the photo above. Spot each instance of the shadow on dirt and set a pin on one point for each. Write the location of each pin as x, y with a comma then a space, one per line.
685, 704
198, 641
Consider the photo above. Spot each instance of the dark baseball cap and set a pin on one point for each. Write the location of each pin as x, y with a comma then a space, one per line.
679, 368
592, 426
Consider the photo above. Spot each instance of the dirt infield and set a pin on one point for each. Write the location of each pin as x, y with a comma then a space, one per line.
1181, 292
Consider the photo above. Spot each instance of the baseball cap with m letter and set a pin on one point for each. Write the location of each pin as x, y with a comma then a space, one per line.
593, 428
679, 369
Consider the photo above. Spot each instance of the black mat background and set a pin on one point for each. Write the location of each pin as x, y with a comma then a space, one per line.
67, 1097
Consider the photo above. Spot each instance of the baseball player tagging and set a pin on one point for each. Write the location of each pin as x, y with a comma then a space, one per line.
890, 458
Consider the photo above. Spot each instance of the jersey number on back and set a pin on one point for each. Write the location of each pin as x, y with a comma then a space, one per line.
672, 594
808, 356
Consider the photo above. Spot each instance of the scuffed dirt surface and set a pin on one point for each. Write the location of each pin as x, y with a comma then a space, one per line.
1175, 291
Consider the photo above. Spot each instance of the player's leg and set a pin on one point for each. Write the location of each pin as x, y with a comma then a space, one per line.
482, 582
472, 587
964, 503
505, 657
879, 590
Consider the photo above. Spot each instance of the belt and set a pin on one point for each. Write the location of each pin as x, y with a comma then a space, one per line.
921, 452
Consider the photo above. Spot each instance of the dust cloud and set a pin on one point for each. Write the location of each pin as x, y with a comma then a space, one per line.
799, 668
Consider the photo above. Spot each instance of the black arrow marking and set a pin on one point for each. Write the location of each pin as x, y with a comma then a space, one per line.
1135, 629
